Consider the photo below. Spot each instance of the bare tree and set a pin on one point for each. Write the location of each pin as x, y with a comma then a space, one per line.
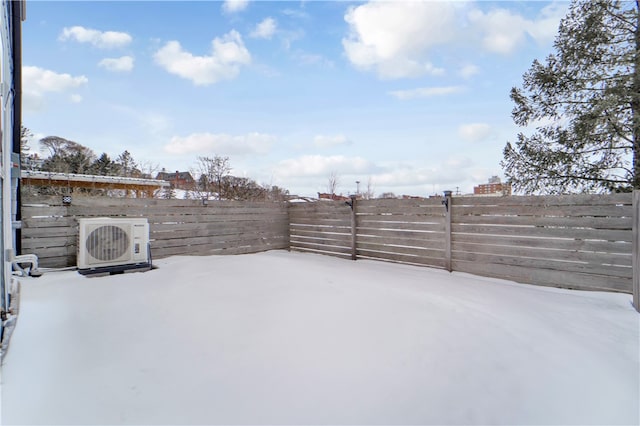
212, 172
148, 168
332, 183
55, 144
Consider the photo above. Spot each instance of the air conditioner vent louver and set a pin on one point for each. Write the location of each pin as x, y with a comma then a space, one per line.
112, 242
107, 243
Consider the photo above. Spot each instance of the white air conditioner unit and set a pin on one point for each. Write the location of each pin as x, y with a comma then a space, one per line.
109, 244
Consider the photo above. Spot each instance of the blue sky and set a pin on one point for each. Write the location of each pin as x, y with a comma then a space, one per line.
410, 96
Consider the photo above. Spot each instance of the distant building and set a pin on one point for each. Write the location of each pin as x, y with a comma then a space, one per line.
334, 197
178, 180
493, 188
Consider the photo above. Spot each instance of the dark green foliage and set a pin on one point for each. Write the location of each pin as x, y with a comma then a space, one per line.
584, 103
127, 165
67, 156
104, 166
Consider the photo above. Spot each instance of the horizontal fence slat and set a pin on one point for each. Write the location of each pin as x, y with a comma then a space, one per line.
545, 242
402, 233
571, 222
558, 211
545, 277
546, 200
411, 251
401, 258
436, 244
321, 247
620, 259
547, 231
543, 264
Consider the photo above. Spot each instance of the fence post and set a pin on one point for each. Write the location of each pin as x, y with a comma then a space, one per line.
447, 230
636, 250
354, 255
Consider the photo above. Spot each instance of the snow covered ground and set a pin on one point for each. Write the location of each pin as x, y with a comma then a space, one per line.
292, 338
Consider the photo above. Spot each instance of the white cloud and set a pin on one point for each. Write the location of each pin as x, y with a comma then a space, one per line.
318, 165
425, 92
305, 58
474, 132
228, 53
75, 98
121, 64
265, 29
37, 82
468, 71
223, 144
419, 179
545, 28
232, 6
502, 31
101, 39
323, 141
296, 13
394, 38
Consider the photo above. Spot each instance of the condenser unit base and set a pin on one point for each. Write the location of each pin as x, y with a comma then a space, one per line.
112, 270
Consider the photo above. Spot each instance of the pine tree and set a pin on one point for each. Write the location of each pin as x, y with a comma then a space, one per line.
584, 103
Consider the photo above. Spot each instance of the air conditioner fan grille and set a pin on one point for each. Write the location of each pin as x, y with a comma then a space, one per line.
107, 243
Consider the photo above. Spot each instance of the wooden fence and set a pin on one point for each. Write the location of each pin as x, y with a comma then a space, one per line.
579, 241
176, 227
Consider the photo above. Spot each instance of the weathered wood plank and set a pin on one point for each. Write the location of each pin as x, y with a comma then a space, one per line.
160, 218
111, 211
546, 200
40, 242
399, 204
537, 231
402, 233
543, 264
341, 240
436, 244
322, 247
545, 277
209, 233
559, 211
57, 262
420, 220
401, 258
207, 251
65, 222
622, 223
96, 202
430, 211
314, 251
546, 253
408, 226
216, 240
546, 242
410, 251
57, 231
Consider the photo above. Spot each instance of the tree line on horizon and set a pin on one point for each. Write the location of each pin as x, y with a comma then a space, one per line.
213, 179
